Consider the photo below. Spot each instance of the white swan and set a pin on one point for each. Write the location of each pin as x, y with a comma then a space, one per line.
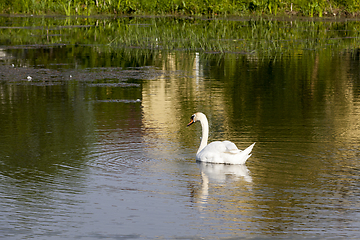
224, 152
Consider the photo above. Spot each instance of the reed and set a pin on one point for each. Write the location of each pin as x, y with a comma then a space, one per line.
253, 36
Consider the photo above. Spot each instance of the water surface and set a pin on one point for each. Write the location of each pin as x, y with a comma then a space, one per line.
95, 143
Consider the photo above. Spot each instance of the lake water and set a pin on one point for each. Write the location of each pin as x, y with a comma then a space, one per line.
94, 143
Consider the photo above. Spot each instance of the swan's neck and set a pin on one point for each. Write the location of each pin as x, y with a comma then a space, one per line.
205, 134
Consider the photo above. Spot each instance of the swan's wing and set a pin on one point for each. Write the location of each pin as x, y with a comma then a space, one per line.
222, 147
216, 147
230, 147
224, 152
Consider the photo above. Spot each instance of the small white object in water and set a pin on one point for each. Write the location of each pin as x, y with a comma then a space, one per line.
70, 76
12, 65
29, 78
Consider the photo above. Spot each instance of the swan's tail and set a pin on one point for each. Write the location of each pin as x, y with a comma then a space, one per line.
246, 152
249, 149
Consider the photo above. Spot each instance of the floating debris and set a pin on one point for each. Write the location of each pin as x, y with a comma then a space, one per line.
96, 77
119, 101
122, 84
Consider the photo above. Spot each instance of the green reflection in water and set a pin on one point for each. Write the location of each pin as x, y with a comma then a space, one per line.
43, 125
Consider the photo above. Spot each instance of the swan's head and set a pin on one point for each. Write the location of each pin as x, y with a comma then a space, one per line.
196, 117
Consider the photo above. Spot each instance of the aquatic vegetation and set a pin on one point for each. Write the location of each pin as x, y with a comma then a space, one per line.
255, 36
318, 8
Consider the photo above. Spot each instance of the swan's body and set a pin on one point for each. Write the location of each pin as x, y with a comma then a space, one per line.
224, 152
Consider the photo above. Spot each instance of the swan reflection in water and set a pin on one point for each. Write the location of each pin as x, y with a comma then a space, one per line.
220, 174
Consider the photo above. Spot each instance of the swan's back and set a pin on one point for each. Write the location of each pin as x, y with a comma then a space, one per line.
224, 152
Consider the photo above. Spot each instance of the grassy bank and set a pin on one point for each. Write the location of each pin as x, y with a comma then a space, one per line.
320, 8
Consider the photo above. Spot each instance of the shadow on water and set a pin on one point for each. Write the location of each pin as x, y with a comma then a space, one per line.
31, 117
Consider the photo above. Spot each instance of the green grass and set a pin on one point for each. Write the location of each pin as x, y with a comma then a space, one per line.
255, 36
318, 8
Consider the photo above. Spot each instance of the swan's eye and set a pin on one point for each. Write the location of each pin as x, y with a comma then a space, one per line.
192, 117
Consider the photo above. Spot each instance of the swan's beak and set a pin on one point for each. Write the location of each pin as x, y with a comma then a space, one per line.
191, 122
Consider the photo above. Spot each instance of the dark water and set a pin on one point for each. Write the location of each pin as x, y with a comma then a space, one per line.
95, 145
